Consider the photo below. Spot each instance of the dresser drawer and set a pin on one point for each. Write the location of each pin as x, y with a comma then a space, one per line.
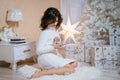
24, 51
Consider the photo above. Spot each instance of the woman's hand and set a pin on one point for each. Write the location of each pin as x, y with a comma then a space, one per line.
59, 46
61, 50
57, 43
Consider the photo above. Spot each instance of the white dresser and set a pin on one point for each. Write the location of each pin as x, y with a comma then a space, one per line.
12, 53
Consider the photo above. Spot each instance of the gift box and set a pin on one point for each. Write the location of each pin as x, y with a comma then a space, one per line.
87, 54
114, 36
98, 53
70, 47
105, 64
105, 57
92, 43
112, 31
88, 48
112, 39
75, 51
118, 40
110, 64
89, 43
110, 53
98, 63
106, 52
69, 54
117, 31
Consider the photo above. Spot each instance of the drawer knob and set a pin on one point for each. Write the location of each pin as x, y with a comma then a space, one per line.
28, 50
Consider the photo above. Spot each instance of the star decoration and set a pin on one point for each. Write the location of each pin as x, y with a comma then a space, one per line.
69, 30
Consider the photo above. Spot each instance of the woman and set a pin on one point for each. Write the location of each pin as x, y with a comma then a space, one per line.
49, 44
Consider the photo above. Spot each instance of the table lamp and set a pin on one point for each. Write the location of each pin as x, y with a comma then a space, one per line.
14, 16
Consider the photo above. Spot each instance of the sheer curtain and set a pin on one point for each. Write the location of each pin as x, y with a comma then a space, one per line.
73, 9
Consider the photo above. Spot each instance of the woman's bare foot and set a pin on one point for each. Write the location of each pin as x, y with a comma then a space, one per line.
71, 70
59, 71
74, 64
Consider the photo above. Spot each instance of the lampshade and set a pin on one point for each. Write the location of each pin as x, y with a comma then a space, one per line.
14, 15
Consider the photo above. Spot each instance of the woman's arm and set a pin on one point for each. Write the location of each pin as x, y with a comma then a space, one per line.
45, 43
62, 52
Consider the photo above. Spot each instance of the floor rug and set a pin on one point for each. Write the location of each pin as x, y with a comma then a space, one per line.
81, 73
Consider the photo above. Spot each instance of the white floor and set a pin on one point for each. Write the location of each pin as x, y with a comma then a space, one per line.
7, 74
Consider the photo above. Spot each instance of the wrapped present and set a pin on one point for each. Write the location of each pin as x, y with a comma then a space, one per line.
99, 42
110, 52
98, 63
106, 52
70, 47
118, 40
117, 31
92, 43
110, 64
79, 52
88, 52
89, 43
114, 36
105, 64
98, 54
112, 31
105, 57
69, 54
112, 40
75, 51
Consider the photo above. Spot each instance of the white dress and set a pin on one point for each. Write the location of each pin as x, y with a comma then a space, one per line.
45, 50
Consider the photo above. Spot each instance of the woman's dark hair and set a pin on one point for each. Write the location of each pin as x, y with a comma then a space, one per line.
49, 17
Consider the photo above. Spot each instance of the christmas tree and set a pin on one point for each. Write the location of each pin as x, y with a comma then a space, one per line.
98, 17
